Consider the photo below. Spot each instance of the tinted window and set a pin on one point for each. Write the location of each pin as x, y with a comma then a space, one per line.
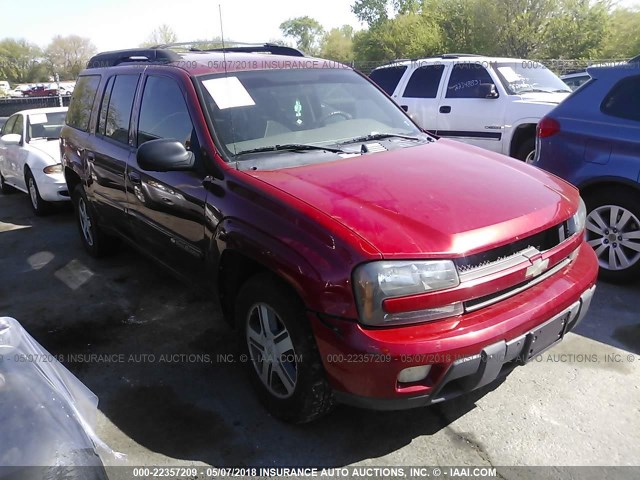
104, 106
624, 99
115, 124
465, 80
82, 102
388, 78
424, 82
164, 113
6, 129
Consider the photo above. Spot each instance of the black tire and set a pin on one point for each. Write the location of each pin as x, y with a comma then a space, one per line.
4, 188
526, 148
310, 396
599, 202
39, 206
95, 241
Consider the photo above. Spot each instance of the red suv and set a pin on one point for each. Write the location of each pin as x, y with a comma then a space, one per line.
361, 259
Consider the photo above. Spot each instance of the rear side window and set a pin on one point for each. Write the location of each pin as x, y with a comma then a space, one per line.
424, 82
164, 113
388, 78
465, 80
82, 102
623, 100
115, 112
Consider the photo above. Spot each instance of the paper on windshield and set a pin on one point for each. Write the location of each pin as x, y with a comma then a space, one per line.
37, 118
509, 74
228, 92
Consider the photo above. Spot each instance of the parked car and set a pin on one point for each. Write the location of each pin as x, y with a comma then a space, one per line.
360, 259
50, 90
4, 88
575, 79
30, 157
493, 103
592, 140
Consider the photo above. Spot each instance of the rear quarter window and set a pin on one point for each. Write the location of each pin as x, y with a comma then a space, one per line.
82, 102
623, 101
388, 78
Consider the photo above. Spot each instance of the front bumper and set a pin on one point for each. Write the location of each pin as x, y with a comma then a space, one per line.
52, 187
465, 354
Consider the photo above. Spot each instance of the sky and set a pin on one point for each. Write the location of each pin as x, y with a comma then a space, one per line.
115, 24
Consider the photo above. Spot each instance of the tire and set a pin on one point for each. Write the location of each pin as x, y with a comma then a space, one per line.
95, 241
527, 150
40, 207
294, 390
4, 188
617, 245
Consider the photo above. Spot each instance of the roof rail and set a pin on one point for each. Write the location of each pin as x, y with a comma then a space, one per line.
235, 47
635, 59
134, 55
458, 55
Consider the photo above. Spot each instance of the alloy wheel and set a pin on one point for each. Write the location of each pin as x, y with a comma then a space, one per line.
85, 222
614, 234
33, 193
271, 350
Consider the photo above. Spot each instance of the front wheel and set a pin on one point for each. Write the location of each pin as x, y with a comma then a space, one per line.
95, 241
40, 207
613, 230
283, 361
527, 151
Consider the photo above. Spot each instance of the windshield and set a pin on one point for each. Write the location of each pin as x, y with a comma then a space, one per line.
528, 76
266, 108
46, 125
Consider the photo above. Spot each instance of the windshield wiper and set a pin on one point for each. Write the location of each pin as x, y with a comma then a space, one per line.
378, 136
290, 146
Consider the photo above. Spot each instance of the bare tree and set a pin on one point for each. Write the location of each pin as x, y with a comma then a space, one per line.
161, 35
67, 56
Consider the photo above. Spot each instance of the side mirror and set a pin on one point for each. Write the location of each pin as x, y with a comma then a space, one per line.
11, 139
164, 155
487, 90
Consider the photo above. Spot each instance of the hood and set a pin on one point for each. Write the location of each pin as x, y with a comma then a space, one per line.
50, 147
440, 199
542, 97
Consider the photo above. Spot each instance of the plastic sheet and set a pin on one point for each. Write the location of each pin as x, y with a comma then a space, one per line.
47, 415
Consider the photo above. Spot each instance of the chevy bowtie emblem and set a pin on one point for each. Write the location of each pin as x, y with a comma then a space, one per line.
537, 267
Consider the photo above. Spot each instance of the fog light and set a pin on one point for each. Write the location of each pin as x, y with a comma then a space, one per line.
414, 374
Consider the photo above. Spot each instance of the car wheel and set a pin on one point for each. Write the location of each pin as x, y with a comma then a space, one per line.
527, 150
40, 207
4, 188
613, 230
282, 358
95, 241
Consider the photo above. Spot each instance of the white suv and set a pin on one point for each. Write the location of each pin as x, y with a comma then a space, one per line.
493, 103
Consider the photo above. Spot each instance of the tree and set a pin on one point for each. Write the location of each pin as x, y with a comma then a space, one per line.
405, 36
305, 31
161, 35
577, 30
375, 12
67, 56
21, 62
337, 44
623, 37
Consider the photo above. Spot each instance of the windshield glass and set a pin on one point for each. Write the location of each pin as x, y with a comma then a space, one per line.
528, 76
264, 108
46, 125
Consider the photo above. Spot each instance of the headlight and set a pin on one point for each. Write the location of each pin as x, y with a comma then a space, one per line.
578, 222
376, 281
57, 168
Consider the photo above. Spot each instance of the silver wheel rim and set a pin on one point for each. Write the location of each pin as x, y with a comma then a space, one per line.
614, 234
85, 222
33, 193
271, 351
529, 158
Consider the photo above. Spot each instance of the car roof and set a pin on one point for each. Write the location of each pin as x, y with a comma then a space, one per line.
32, 111
453, 58
617, 71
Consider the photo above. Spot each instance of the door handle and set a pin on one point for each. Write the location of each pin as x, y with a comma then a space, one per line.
405, 107
134, 177
445, 109
90, 156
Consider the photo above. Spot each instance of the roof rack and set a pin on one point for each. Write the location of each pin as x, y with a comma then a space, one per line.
134, 55
271, 48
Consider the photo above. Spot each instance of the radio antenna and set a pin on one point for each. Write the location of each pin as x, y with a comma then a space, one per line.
224, 62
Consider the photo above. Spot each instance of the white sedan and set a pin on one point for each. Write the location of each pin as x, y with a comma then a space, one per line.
30, 157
